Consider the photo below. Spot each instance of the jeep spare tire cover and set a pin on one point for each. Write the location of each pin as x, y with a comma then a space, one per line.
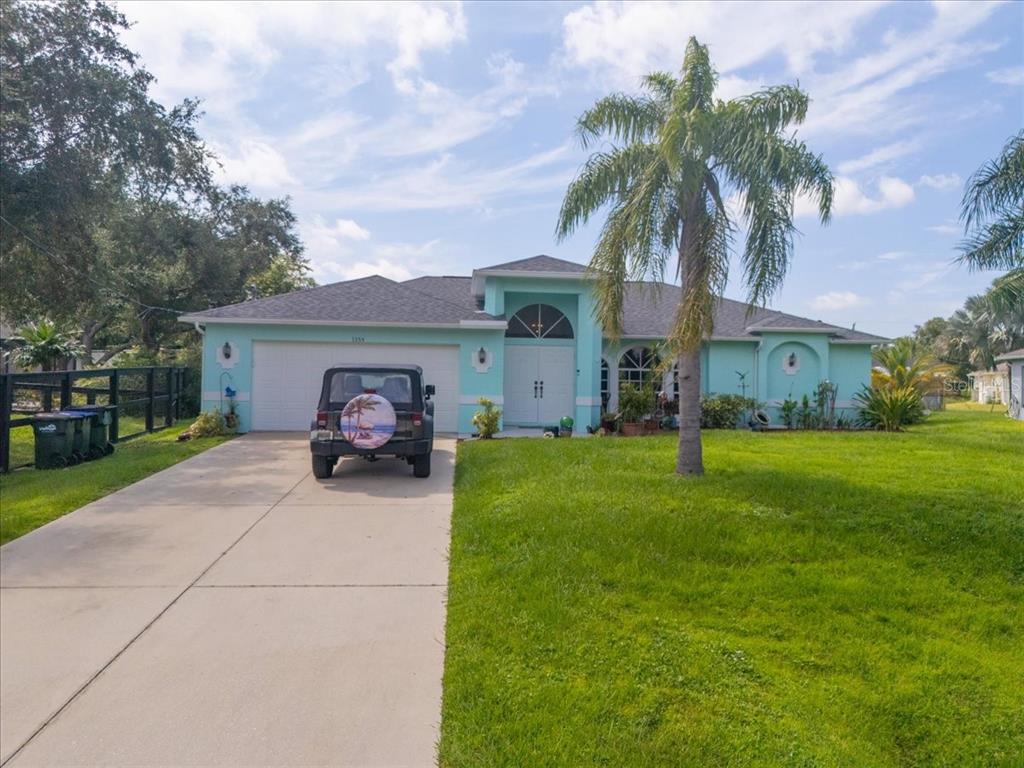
367, 421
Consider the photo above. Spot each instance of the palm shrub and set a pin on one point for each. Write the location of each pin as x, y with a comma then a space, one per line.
486, 420
678, 154
908, 363
45, 343
889, 408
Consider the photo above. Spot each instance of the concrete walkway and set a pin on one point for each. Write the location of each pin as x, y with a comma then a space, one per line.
232, 610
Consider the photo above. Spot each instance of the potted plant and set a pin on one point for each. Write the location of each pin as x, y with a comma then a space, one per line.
634, 404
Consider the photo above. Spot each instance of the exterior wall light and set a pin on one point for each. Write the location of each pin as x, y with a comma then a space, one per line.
481, 355
226, 350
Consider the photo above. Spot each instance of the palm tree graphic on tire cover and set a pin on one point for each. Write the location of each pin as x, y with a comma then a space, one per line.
354, 409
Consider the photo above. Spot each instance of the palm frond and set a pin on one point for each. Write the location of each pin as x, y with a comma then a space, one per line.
661, 85
774, 109
997, 186
769, 242
605, 177
706, 279
620, 117
1007, 294
996, 245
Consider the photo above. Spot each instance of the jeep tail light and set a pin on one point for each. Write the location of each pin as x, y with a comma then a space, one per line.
417, 418
321, 419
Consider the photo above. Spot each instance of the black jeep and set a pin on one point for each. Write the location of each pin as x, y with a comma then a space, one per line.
402, 386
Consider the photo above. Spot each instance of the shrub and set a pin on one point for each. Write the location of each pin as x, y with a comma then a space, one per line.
486, 421
723, 411
208, 424
636, 402
889, 408
788, 412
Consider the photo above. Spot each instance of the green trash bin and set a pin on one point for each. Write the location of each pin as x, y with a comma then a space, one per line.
99, 439
80, 440
54, 438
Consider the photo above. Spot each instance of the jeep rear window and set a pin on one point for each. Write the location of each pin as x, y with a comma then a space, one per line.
393, 386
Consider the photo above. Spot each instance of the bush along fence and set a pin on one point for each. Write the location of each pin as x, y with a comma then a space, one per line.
142, 400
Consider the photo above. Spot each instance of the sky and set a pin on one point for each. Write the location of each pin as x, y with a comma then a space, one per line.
423, 138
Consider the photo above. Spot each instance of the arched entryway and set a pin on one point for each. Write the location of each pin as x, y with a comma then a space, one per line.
540, 366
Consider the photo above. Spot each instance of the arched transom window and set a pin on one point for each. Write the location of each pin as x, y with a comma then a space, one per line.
539, 321
636, 366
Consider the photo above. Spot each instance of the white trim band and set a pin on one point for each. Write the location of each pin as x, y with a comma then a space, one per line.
472, 399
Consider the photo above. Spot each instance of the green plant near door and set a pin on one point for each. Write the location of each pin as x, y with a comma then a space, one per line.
486, 420
634, 404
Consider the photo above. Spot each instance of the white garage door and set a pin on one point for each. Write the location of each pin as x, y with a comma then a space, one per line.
287, 376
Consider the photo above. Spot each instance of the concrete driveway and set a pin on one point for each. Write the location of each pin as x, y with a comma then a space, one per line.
232, 610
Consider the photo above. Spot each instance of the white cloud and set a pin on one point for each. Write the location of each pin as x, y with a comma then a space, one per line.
948, 228
212, 49
254, 163
447, 183
620, 42
850, 198
873, 94
892, 255
882, 259
940, 181
332, 271
834, 300
1007, 75
395, 261
880, 156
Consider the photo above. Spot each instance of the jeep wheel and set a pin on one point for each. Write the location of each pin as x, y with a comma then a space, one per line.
421, 465
323, 467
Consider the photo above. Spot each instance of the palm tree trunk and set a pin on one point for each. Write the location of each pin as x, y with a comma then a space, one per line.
689, 458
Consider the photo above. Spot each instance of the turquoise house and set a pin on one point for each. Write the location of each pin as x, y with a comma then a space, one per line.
521, 333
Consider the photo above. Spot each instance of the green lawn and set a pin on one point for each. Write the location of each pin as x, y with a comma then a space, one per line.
30, 498
852, 599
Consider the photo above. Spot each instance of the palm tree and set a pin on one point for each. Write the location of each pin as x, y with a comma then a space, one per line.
45, 344
984, 329
993, 214
907, 363
679, 156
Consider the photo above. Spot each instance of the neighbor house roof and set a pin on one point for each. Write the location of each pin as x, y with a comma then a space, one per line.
371, 300
648, 311
1013, 354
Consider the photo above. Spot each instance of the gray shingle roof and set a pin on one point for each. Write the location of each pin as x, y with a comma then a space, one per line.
648, 312
540, 263
650, 309
453, 289
372, 299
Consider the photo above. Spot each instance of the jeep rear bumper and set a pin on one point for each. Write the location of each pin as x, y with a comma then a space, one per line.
336, 448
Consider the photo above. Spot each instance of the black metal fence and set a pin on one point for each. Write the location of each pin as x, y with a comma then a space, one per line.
145, 399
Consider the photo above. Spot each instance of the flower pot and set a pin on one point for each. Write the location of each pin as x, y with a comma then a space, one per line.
632, 430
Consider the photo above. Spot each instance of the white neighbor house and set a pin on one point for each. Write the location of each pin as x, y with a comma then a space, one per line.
990, 386
1015, 389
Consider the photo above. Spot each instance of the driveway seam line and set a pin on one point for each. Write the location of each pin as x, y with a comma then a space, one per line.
316, 586
78, 692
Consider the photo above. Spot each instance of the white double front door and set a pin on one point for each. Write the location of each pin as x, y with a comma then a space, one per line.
539, 384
